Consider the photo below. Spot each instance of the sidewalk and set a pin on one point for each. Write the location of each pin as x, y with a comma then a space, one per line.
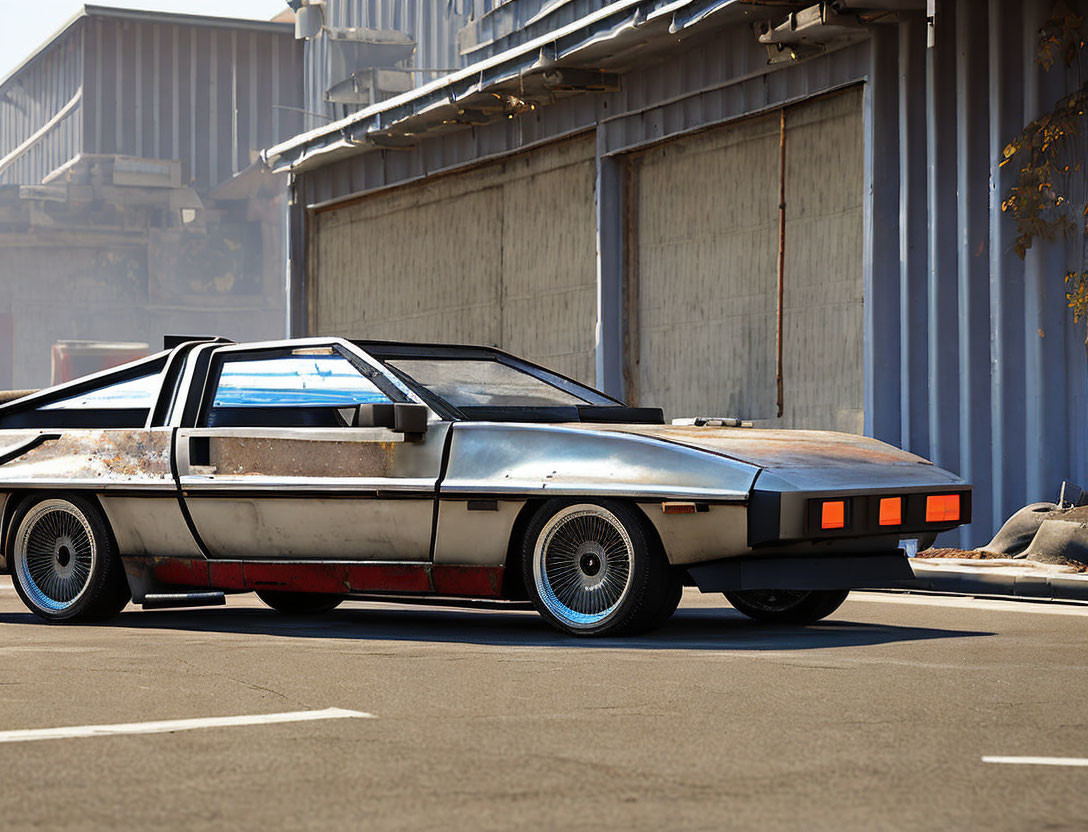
1001, 577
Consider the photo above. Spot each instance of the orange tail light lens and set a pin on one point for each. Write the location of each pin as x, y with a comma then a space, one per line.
833, 514
891, 511
942, 508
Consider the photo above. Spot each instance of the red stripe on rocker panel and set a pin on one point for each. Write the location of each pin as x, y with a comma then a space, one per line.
474, 581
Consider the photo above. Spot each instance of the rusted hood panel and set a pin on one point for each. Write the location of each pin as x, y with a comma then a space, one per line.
805, 460
777, 449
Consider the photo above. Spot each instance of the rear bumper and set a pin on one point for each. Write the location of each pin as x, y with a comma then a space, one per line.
869, 571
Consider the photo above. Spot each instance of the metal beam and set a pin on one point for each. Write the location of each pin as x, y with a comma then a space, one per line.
609, 335
880, 261
913, 264
942, 296
973, 267
1006, 90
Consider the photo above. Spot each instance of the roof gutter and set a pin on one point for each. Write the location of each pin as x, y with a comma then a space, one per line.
453, 99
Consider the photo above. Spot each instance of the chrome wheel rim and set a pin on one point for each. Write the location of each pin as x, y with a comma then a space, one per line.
55, 555
582, 565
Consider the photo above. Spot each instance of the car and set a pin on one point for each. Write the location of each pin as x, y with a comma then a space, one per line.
311, 470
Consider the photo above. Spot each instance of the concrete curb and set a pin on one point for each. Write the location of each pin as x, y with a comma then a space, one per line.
1024, 580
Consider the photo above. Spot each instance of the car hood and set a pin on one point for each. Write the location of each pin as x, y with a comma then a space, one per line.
802, 459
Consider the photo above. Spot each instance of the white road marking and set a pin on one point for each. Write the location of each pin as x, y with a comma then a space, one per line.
171, 725
967, 603
1038, 761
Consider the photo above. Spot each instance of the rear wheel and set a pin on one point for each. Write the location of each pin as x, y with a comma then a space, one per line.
595, 569
787, 606
64, 561
300, 603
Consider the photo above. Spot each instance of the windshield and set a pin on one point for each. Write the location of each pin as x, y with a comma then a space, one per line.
489, 383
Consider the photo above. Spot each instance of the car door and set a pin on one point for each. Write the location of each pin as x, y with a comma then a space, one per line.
269, 469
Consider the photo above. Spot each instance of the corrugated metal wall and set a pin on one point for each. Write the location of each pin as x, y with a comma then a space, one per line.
988, 374
211, 96
704, 283
433, 23
503, 255
32, 97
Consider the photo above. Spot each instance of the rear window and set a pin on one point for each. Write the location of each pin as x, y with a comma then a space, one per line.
136, 393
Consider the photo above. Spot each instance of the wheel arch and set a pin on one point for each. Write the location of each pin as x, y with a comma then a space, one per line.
513, 586
12, 501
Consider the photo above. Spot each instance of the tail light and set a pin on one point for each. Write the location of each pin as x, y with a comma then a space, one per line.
942, 508
891, 511
833, 514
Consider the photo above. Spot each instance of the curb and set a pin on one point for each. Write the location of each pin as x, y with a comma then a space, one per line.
1005, 581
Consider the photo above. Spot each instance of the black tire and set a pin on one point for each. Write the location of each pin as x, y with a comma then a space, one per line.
606, 564
300, 603
64, 561
778, 606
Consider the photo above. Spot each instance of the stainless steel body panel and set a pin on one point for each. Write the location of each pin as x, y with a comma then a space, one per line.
149, 526
350, 528
371, 491
467, 536
719, 532
550, 460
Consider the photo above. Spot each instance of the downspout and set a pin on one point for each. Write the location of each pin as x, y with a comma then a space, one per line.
781, 253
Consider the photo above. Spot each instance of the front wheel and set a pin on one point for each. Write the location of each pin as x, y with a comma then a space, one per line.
64, 561
787, 606
300, 603
595, 569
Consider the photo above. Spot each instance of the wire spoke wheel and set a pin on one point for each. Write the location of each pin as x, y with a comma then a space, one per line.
55, 554
582, 565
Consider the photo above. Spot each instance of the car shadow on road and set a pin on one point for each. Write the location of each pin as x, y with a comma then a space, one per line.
689, 629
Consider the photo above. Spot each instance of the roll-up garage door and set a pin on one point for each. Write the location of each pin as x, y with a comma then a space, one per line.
501, 254
702, 287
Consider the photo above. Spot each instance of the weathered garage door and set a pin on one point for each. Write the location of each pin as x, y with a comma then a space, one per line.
703, 283
503, 254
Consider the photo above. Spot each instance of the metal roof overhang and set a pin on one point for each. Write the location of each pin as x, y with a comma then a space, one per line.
609, 40
140, 15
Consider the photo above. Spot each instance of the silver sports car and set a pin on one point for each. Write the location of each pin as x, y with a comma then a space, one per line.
317, 469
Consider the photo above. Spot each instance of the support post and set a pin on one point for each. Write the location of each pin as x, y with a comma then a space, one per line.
610, 245
297, 309
880, 259
913, 265
942, 295
973, 267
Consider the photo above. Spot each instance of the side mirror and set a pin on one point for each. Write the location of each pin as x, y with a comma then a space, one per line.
403, 417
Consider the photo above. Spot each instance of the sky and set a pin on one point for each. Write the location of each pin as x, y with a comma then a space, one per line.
27, 24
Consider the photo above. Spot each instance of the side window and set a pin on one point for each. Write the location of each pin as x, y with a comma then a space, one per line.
293, 390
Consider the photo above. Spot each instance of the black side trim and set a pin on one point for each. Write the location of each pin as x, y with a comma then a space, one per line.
873, 571
446, 446
764, 516
181, 497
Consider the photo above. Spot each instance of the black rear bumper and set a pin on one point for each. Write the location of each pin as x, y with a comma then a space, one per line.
881, 570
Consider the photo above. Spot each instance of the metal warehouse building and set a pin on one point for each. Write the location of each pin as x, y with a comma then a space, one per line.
599, 188
132, 201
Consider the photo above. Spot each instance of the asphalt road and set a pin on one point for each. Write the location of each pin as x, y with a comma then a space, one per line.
877, 719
